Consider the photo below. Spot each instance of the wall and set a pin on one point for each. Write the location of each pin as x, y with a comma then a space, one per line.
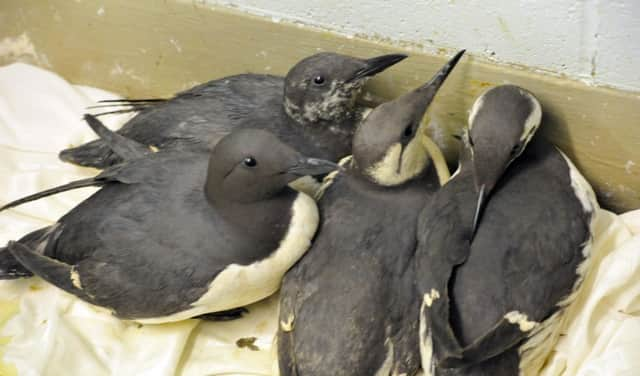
147, 48
595, 41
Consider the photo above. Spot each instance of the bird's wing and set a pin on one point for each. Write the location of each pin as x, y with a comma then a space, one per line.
125, 148
443, 244
58, 273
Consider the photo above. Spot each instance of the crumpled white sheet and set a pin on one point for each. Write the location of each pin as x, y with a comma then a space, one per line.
48, 332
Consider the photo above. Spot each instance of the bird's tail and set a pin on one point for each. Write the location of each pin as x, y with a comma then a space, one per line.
123, 106
89, 182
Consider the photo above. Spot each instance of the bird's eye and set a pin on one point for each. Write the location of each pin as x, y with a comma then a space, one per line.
408, 131
250, 162
318, 80
515, 149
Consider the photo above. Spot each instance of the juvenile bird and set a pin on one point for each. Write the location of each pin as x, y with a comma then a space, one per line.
313, 109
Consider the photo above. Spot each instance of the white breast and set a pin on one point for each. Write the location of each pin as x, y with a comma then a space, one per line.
240, 285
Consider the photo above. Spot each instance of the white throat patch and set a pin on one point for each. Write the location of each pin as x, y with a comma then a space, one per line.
240, 285
414, 160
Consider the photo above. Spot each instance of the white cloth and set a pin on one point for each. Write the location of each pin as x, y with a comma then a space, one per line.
44, 331
602, 335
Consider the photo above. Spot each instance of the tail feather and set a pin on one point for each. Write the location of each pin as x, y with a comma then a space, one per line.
53, 271
132, 105
124, 147
130, 101
89, 182
121, 111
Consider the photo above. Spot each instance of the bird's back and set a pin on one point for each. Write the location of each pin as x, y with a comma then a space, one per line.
193, 120
527, 247
202, 115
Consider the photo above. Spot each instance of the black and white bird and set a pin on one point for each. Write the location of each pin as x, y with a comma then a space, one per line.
313, 108
503, 246
171, 235
348, 307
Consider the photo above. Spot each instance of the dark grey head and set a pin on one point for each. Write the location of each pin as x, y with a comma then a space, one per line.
501, 123
388, 146
250, 165
324, 86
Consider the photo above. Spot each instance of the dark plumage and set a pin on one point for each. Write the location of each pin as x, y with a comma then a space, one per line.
312, 108
348, 306
486, 292
165, 228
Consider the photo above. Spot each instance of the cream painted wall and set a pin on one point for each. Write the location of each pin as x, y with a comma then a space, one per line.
597, 41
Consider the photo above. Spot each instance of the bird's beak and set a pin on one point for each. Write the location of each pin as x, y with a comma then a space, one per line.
376, 65
312, 166
417, 102
429, 90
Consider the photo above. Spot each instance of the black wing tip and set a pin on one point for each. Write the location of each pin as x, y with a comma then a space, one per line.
17, 249
87, 155
94, 122
51, 270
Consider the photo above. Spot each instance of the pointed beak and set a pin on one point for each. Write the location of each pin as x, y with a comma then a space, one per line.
377, 64
429, 90
312, 166
417, 101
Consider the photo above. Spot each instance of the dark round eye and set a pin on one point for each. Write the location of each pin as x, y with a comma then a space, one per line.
515, 149
408, 131
250, 162
318, 80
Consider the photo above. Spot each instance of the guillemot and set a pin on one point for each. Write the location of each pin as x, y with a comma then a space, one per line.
313, 109
348, 307
503, 246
